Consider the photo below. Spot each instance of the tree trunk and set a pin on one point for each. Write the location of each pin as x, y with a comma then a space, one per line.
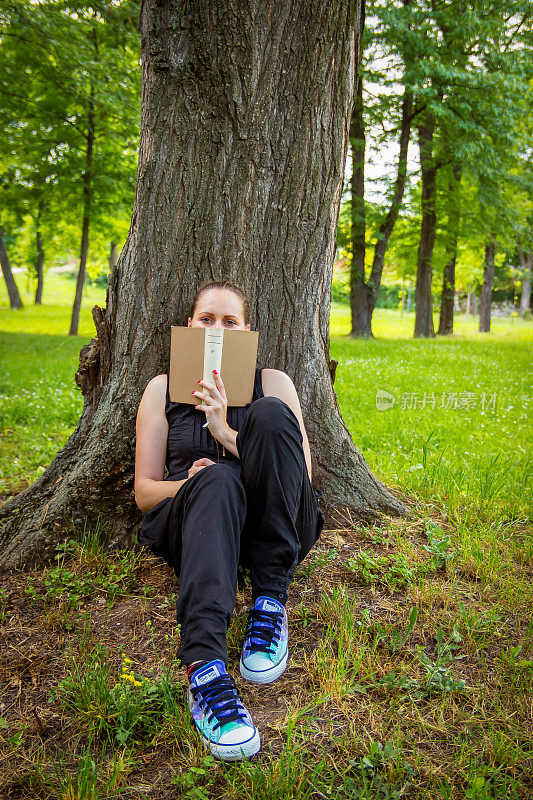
7, 272
527, 263
471, 303
39, 265
113, 256
360, 302
244, 129
363, 296
87, 197
448, 294
388, 223
486, 289
423, 301
447, 301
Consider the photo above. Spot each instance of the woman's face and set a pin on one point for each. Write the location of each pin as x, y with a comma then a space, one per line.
219, 308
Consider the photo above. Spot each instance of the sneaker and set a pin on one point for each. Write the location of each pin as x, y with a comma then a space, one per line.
266, 648
221, 719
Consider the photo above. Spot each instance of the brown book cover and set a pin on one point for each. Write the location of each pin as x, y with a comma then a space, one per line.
195, 352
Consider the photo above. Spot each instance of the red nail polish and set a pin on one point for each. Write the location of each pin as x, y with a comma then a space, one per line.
192, 392
215, 372
199, 381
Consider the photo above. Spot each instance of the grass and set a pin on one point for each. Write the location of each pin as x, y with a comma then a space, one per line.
411, 661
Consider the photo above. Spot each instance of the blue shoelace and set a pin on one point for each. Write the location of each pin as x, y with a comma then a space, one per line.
264, 629
219, 698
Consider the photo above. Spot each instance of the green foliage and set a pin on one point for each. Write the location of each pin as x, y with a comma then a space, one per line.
382, 773
469, 67
315, 561
90, 780
83, 569
391, 571
396, 570
194, 783
437, 675
67, 75
394, 639
128, 709
438, 547
516, 669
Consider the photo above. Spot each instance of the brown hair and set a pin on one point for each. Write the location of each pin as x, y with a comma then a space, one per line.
232, 287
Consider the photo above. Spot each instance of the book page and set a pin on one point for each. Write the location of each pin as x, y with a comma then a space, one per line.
214, 340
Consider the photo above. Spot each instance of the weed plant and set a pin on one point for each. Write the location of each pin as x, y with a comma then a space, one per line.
127, 708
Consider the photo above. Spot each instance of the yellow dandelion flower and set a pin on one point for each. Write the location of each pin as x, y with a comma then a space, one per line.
137, 683
127, 660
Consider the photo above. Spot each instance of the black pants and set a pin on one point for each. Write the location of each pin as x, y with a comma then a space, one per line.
261, 512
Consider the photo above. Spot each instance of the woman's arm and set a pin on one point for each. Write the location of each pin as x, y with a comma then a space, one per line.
278, 384
151, 448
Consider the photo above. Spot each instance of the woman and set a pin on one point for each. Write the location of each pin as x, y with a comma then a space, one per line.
237, 491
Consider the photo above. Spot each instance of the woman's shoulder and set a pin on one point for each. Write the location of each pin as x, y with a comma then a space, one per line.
155, 392
274, 380
157, 384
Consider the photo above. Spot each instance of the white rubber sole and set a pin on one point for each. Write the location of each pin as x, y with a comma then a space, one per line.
264, 676
233, 752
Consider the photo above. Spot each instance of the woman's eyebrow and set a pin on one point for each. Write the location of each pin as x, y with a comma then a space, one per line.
211, 314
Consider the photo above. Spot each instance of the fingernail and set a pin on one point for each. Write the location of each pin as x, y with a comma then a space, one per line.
199, 381
215, 372
192, 392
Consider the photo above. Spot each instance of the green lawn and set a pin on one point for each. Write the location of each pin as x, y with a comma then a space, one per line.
411, 664
460, 423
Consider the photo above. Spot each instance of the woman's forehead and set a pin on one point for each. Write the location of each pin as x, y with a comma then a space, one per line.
220, 299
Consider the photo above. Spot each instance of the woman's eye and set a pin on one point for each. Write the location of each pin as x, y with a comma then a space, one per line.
230, 322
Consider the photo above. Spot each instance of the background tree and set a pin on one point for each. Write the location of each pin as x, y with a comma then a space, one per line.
389, 34
12, 288
71, 92
464, 71
243, 143
454, 207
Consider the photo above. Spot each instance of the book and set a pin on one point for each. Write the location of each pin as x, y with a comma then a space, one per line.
196, 352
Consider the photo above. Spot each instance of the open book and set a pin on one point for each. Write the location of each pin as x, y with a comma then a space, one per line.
196, 352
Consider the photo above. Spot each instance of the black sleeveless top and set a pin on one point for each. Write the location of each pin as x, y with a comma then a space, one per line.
188, 440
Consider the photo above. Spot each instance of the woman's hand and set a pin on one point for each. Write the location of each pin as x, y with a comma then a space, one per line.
199, 464
215, 405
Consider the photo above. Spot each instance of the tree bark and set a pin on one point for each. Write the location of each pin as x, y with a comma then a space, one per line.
486, 289
39, 265
87, 198
244, 129
113, 256
447, 301
423, 301
12, 289
526, 262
